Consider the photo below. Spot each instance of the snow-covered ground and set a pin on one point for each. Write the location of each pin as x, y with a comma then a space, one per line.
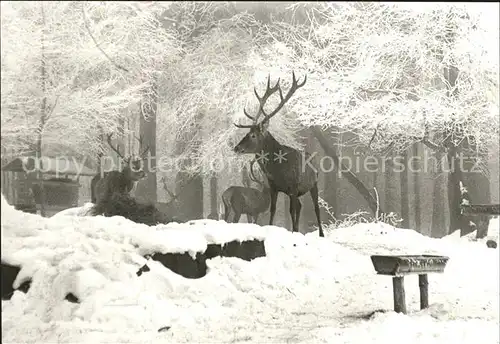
307, 289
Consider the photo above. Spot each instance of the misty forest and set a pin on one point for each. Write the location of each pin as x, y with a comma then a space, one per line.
145, 129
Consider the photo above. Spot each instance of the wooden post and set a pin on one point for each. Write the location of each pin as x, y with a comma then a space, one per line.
423, 284
398, 289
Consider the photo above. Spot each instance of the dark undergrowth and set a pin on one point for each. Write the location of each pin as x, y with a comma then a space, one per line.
119, 204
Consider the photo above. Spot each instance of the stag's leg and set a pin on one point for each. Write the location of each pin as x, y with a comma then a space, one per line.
237, 216
249, 218
226, 211
274, 198
314, 196
93, 184
253, 218
292, 213
294, 200
297, 213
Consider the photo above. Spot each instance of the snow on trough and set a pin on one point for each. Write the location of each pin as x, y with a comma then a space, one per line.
79, 211
191, 237
306, 290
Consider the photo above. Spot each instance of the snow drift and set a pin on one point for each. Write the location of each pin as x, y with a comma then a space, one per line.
307, 289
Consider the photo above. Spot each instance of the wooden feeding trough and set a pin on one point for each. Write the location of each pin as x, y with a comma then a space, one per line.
401, 265
188, 267
59, 190
480, 209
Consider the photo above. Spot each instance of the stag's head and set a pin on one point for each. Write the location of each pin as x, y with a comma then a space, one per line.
253, 142
132, 165
136, 166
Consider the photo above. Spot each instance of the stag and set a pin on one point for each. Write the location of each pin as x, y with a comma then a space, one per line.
288, 170
118, 181
246, 200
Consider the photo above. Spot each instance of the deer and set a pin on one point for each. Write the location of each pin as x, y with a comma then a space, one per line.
288, 170
118, 181
173, 197
172, 206
246, 200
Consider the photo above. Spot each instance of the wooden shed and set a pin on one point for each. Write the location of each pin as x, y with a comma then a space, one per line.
58, 177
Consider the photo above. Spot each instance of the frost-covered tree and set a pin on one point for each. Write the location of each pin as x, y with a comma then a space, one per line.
71, 70
208, 89
212, 84
378, 67
394, 77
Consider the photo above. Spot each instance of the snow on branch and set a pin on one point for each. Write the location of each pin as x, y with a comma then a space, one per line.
86, 82
209, 88
371, 63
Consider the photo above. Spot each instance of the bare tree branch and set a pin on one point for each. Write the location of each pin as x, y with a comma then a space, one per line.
53, 107
374, 135
432, 145
95, 41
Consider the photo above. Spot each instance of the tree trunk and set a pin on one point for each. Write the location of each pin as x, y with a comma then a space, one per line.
438, 221
331, 188
475, 187
308, 219
188, 187
389, 186
40, 167
376, 189
405, 191
100, 153
351, 177
43, 118
457, 220
478, 187
147, 187
416, 190
190, 191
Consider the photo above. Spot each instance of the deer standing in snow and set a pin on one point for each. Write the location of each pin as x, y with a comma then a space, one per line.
118, 181
288, 170
246, 200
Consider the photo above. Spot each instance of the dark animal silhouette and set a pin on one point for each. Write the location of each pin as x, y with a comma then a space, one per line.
122, 204
288, 170
118, 181
173, 207
246, 200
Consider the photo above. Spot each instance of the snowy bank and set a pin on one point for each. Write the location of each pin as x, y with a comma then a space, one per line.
306, 289
78, 211
112, 246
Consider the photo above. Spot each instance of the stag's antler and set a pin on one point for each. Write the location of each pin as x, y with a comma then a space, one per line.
116, 149
173, 196
140, 139
262, 101
295, 86
270, 91
170, 193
